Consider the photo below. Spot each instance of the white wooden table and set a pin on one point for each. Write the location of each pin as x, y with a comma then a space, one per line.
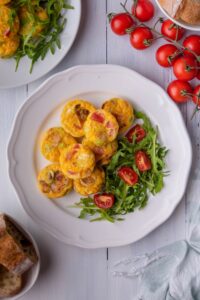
70, 273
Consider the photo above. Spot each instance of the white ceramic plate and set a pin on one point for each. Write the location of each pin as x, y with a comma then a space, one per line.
178, 22
42, 110
9, 78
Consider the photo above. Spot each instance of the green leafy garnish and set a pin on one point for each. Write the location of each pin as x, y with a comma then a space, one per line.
128, 198
37, 46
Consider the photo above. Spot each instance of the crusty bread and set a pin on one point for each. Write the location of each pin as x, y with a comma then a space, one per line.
17, 253
184, 10
10, 284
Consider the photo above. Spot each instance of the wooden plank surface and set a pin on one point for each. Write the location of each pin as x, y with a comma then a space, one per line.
68, 272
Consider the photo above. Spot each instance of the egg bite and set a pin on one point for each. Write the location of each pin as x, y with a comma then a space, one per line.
3, 2
90, 185
74, 116
32, 22
77, 161
102, 153
101, 127
53, 183
9, 22
54, 141
8, 46
123, 112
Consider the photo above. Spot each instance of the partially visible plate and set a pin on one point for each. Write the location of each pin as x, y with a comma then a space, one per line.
96, 83
9, 78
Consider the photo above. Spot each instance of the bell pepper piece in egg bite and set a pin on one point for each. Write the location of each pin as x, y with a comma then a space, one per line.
54, 141
8, 46
53, 183
74, 115
101, 127
92, 184
9, 22
104, 152
123, 112
77, 161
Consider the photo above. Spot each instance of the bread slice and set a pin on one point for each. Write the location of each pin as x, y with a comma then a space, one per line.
17, 254
172, 7
10, 284
190, 12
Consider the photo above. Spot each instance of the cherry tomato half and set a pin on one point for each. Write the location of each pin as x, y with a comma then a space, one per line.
142, 161
120, 23
196, 95
192, 42
166, 55
171, 30
128, 175
104, 200
179, 91
141, 38
138, 131
144, 10
185, 68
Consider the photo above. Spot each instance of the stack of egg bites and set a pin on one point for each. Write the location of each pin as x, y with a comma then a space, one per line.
16, 24
80, 148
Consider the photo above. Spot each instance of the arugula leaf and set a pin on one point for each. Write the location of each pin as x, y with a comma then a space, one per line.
128, 198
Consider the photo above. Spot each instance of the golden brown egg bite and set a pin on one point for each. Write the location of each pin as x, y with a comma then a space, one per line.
101, 127
8, 46
90, 185
3, 2
77, 161
102, 153
74, 116
122, 110
53, 183
54, 141
32, 23
9, 22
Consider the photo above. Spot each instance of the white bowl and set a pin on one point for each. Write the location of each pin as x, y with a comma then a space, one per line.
180, 23
32, 274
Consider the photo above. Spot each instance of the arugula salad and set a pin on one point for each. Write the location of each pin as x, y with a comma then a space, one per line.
135, 171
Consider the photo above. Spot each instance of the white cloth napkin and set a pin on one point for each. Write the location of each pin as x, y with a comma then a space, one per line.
171, 272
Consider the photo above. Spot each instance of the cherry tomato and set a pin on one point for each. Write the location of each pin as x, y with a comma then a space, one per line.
171, 30
104, 200
166, 55
142, 161
128, 175
185, 68
141, 38
120, 23
138, 131
196, 95
178, 90
144, 10
192, 42
198, 75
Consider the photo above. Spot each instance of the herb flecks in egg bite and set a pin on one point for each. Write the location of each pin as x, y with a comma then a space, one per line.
74, 115
54, 141
77, 161
53, 183
90, 185
101, 127
122, 110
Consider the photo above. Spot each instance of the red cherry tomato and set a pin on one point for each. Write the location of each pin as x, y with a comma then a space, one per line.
196, 95
120, 23
104, 200
185, 68
192, 42
128, 175
142, 161
166, 55
171, 30
198, 75
138, 131
178, 90
141, 38
144, 10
